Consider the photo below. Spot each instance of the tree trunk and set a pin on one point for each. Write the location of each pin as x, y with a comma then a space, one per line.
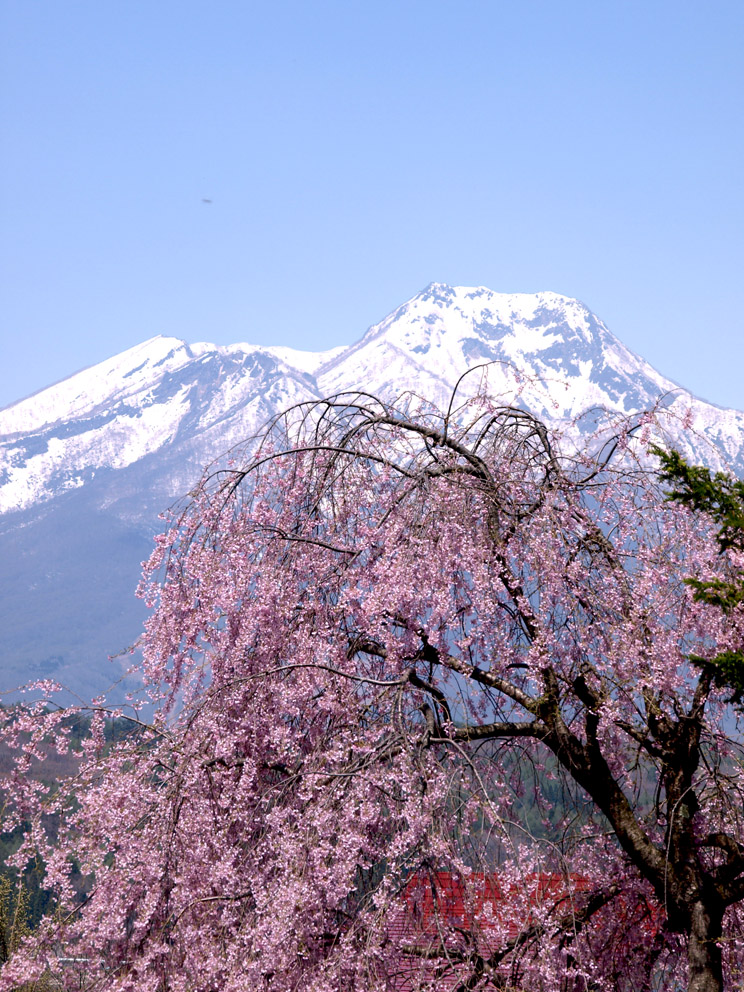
704, 951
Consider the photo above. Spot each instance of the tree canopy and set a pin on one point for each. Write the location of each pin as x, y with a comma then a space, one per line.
377, 652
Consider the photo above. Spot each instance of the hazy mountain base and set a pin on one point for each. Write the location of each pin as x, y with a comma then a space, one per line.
67, 595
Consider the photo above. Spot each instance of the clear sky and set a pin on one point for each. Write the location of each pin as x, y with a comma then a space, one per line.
356, 150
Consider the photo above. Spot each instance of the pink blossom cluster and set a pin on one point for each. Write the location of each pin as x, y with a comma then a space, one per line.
398, 646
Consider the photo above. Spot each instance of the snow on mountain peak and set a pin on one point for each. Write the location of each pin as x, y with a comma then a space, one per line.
164, 395
306, 361
83, 392
555, 341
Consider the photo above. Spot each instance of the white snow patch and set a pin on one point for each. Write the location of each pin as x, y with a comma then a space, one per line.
101, 385
305, 361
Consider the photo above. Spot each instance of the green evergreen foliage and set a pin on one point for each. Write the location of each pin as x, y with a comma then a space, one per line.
36, 897
718, 495
16, 922
721, 498
14, 915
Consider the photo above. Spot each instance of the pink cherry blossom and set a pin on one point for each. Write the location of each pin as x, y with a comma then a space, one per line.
403, 652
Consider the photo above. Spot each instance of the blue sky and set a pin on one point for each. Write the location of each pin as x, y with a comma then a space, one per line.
355, 151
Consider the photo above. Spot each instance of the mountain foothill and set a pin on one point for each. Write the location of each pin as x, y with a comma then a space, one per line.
88, 464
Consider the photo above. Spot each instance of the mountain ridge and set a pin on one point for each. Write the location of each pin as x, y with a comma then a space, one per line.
87, 465
166, 391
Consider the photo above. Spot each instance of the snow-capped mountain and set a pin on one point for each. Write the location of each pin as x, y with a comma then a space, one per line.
189, 403
87, 464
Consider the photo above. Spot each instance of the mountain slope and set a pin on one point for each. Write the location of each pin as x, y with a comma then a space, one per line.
87, 464
161, 396
550, 349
